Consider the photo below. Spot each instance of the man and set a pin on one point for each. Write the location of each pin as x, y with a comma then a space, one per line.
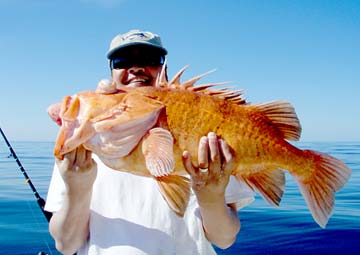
101, 211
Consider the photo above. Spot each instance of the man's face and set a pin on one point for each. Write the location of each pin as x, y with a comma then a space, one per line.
136, 66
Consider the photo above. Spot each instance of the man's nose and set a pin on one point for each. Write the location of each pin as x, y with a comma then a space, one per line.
136, 69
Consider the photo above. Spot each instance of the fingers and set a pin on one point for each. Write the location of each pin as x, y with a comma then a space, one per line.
106, 86
80, 156
214, 156
77, 160
215, 159
203, 156
198, 178
68, 160
228, 161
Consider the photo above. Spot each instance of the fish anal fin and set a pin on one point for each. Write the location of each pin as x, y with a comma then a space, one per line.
327, 176
157, 148
269, 183
176, 191
282, 115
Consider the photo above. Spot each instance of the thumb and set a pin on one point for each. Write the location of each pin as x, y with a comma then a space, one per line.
106, 86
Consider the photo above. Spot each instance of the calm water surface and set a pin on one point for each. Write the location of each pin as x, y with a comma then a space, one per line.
288, 229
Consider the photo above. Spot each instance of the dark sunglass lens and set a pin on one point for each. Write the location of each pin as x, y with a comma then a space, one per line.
153, 60
120, 63
144, 60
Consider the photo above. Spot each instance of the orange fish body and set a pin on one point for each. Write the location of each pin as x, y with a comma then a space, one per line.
145, 131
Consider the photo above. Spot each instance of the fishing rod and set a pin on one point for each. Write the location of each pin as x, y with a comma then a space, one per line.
39, 199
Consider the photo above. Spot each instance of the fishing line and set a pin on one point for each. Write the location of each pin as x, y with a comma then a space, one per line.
38, 226
39, 199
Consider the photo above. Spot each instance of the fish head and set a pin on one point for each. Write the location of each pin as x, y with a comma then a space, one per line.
75, 114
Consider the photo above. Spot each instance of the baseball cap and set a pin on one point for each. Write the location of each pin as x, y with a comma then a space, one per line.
135, 37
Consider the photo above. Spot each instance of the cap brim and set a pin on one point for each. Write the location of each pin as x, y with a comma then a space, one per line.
111, 52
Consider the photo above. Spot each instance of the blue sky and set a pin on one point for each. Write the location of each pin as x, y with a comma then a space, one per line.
305, 52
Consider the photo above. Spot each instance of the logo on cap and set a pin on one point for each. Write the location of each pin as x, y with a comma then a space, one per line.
136, 36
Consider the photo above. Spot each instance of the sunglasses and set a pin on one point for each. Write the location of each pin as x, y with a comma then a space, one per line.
122, 62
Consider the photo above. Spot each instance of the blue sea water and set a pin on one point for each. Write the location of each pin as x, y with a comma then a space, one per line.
288, 229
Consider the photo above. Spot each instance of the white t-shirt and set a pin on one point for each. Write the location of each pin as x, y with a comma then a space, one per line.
129, 216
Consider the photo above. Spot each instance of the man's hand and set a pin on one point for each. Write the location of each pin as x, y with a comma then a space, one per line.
106, 86
209, 180
70, 225
78, 170
211, 176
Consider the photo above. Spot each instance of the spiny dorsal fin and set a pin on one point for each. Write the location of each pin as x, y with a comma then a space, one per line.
161, 80
234, 96
283, 115
175, 81
223, 93
192, 81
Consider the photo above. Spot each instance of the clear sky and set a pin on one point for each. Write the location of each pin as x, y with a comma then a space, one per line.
305, 52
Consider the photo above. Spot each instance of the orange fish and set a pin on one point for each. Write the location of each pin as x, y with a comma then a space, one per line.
145, 130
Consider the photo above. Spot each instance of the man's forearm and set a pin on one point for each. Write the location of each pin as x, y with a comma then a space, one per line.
70, 225
221, 223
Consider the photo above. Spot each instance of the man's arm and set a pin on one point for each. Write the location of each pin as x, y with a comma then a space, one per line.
70, 225
220, 221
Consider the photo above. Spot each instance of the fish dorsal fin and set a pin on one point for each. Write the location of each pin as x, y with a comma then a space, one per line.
235, 96
223, 93
190, 83
157, 148
283, 115
175, 189
175, 81
161, 80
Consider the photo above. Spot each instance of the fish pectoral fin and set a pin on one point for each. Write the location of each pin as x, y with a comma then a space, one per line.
175, 189
269, 183
282, 115
157, 148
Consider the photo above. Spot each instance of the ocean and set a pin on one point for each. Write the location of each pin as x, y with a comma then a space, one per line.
288, 229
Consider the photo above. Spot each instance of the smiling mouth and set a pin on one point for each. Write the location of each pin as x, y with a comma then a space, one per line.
140, 81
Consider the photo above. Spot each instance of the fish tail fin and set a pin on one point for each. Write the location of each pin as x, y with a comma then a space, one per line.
269, 183
327, 175
176, 191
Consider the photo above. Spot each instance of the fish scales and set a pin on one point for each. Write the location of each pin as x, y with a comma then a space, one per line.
240, 127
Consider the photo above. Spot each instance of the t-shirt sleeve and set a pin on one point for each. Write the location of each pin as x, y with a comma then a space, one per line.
56, 192
238, 193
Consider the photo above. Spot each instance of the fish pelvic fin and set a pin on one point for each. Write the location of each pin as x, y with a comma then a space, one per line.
157, 148
269, 183
175, 189
282, 115
327, 176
